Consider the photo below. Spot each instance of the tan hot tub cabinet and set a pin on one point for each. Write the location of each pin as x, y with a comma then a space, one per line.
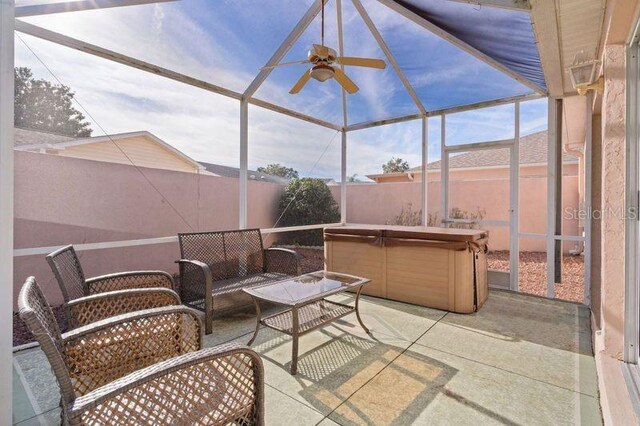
435, 267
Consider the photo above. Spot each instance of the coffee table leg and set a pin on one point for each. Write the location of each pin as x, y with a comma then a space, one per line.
294, 335
358, 311
258, 314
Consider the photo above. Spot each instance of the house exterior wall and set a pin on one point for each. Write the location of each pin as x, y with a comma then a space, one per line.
140, 150
61, 200
608, 282
612, 274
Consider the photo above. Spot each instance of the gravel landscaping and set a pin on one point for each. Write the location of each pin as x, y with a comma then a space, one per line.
533, 274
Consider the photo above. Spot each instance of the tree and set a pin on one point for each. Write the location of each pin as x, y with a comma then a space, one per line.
353, 178
307, 201
42, 105
277, 169
395, 165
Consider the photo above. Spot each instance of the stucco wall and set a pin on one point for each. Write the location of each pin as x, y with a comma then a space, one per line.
62, 200
613, 200
381, 203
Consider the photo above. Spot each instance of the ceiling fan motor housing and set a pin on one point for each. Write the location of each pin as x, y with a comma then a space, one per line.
314, 55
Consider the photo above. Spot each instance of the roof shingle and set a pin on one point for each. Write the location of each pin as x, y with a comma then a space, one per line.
533, 150
32, 137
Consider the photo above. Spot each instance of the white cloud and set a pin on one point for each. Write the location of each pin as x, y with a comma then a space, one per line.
206, 126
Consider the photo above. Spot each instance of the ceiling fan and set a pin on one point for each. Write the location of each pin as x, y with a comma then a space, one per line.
323, 59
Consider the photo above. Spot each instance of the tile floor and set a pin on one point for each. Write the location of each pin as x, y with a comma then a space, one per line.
520, 360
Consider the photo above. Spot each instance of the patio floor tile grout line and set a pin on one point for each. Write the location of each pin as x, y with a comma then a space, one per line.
385, 367
503, 369
295, 400
35, 416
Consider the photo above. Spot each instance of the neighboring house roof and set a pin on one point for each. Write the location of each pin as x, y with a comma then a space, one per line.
37, 141
26, 137
533, 150
329, 181
234, 172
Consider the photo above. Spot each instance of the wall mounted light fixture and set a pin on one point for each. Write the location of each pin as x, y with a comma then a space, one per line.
584, 76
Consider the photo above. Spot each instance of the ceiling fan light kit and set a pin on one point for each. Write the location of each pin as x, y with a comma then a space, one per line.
322, 72
323, 58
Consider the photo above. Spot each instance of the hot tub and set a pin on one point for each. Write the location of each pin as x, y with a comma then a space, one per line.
434, 267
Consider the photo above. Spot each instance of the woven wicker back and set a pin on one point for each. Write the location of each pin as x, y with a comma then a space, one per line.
66, 267
228, 254
36, 313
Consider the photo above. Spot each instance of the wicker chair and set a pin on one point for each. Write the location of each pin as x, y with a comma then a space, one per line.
146, 368
216, 266
93, 299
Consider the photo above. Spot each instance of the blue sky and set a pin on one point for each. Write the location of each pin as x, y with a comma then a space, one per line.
225, 42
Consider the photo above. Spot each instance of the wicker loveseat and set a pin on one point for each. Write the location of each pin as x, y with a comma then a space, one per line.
216, 266
93, 299
146, 368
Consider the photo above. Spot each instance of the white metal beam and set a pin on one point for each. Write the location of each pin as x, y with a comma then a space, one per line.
632, 162
375, 123
425, 162
392, 60
7, 10
544, 20
517, 5
514, 199
459, 43
478, 146
444, 172
244, 165
284, 48
77, 5
110, 55
40, 251
481, 222
63, 40
552, 139
345, 116
343, 178
345, 122
587, 198
484, 104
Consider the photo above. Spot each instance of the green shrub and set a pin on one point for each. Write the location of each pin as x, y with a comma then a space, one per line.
306, 201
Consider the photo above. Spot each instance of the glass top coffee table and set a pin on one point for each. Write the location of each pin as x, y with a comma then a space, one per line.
308, 308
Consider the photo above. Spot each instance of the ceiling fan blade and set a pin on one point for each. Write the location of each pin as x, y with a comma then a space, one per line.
362, 62
300, 83
321, 51
283, 64
344, 81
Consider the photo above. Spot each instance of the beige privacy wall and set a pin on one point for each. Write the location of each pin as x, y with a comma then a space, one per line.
382, 203
62, 200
